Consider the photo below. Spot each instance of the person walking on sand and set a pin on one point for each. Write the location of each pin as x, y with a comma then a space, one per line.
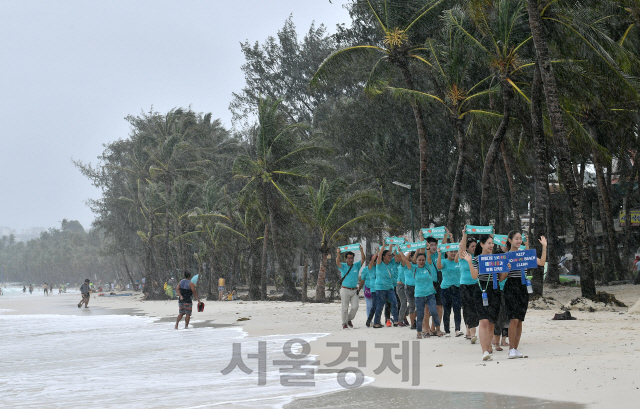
221, 288
85, 290
186, 290
30, 288
349, 287
516, 297
45, 288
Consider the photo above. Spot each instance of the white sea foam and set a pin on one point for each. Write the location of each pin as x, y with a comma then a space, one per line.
116, 361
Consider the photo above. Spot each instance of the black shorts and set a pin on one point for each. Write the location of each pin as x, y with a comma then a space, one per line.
491, 311
516, 299
436, 286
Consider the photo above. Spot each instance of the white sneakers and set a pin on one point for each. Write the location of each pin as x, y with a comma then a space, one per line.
514, 353
486, 356
474, 339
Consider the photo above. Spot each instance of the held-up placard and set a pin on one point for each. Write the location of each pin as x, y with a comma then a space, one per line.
479, 229
522, 260
415, 246
493, 264
449, 247
435, 232
349, 247
394, 240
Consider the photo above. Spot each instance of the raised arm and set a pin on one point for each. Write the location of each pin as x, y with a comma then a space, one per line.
405, 260
472, 269
362, 255
463, 243
542, 260
439, 265
338, 263
373, 261
379, 260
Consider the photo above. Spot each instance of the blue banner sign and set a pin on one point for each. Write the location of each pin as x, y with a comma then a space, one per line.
493, 264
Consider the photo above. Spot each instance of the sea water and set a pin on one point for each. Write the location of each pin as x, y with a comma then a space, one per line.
130, 361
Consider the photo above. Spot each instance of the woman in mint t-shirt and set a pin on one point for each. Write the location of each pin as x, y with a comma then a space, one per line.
467, 287
450, 290
425, 274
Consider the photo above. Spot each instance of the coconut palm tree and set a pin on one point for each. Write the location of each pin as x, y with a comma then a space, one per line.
280, 161
400, 23
332, 211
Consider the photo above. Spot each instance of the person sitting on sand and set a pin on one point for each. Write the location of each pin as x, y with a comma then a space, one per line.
85, 290
186, 290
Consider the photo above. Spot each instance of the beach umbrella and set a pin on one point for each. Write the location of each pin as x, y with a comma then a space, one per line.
194, 280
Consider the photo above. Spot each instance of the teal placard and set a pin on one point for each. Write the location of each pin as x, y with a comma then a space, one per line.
435, 232
349, 247
394, 240
479, 229
416, 245
449, 247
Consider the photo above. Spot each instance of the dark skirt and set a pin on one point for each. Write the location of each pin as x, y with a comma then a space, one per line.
516, 299
491, 311
468, 305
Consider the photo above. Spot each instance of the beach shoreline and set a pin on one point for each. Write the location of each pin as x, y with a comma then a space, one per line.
592, 360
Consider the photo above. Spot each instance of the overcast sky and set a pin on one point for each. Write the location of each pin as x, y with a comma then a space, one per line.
72, 70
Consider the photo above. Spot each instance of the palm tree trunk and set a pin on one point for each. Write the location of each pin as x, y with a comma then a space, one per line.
255, 274
541, 190
322, 276
563, 152
126, 267
263, 263
305, 280
627, 218
422, 141
516, 223
492, 152
501, 221
610, 245
289, 289
454, 204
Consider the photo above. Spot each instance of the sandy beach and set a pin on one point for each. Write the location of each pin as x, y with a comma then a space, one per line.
593, 360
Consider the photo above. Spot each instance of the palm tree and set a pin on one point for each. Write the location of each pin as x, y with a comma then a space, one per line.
563, 152
279, 163
500, 33
453, 68
331, 212
399, 22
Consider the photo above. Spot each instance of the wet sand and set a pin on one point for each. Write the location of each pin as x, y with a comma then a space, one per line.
368, 397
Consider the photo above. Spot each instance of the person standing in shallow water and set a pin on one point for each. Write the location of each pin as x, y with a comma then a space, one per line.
349, 288
186, 290
85, 290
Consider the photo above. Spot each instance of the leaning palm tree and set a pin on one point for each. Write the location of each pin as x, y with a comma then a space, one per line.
332, 211
401, 45
280, 161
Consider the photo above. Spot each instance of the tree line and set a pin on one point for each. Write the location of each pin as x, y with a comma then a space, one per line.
508, 113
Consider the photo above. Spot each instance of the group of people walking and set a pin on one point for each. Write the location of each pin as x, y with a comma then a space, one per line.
421, 289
